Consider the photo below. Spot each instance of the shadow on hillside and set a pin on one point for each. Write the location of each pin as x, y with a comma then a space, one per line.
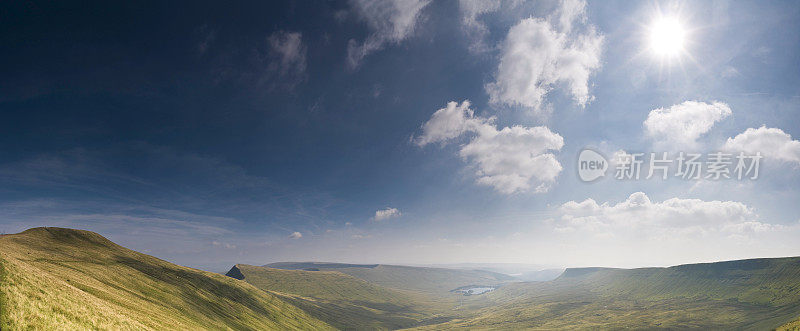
193, 295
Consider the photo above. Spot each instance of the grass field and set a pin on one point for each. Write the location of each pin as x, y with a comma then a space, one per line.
421, 279
348, 302
749, 294
790, 326
55, 278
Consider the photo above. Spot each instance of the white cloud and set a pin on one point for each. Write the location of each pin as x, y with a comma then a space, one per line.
390, 22
568, 12
223, 245
476, 31
511, 160
450, 122
295, 235
681, 125
515, 158
675, 216
541, 54
288, 52
386, 213
771, 142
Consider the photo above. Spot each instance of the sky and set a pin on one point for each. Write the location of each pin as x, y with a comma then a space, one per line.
405, 132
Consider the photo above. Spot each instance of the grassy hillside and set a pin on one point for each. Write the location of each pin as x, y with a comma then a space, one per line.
70, 279
342, 300
53, 278
328, 285
751, 294
316, 265
422, 279
387, 296
790, 326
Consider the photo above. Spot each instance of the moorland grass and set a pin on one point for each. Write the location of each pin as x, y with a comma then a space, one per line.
754, 294
57, 278
345, 301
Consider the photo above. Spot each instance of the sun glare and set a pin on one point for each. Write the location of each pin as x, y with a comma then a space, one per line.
667, 37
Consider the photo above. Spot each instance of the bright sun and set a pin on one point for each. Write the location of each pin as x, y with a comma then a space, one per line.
666, 37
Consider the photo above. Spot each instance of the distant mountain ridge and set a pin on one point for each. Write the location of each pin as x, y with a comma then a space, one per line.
320, 265
743, 294
55, 278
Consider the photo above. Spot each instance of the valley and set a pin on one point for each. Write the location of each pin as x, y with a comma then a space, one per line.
63, 277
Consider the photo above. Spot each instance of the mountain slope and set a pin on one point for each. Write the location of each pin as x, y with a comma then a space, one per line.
793, 326
342, 300
751, 294
328, 285
422, 279
72, 279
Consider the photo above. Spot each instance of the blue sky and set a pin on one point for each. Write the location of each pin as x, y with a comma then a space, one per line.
209, 135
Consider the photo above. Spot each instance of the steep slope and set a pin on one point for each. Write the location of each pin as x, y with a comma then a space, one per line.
342, 300
751, 294
54, 278
422, 279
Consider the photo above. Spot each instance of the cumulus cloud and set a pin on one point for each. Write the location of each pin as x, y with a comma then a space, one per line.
510, 160
771, 142
679, 126
295, 235
450, 122
288, 55
386, 213
540, 54
675, 216
515, 158
389, 22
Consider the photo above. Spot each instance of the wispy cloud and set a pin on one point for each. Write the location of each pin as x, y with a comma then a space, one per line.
288, 55
476, 30
289, 51
389, 22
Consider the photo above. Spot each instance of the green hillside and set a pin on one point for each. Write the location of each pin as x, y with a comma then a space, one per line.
342, 300
422, 279
375, 295
328, 285
793, 326
53, 278
750, 294
369, 296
